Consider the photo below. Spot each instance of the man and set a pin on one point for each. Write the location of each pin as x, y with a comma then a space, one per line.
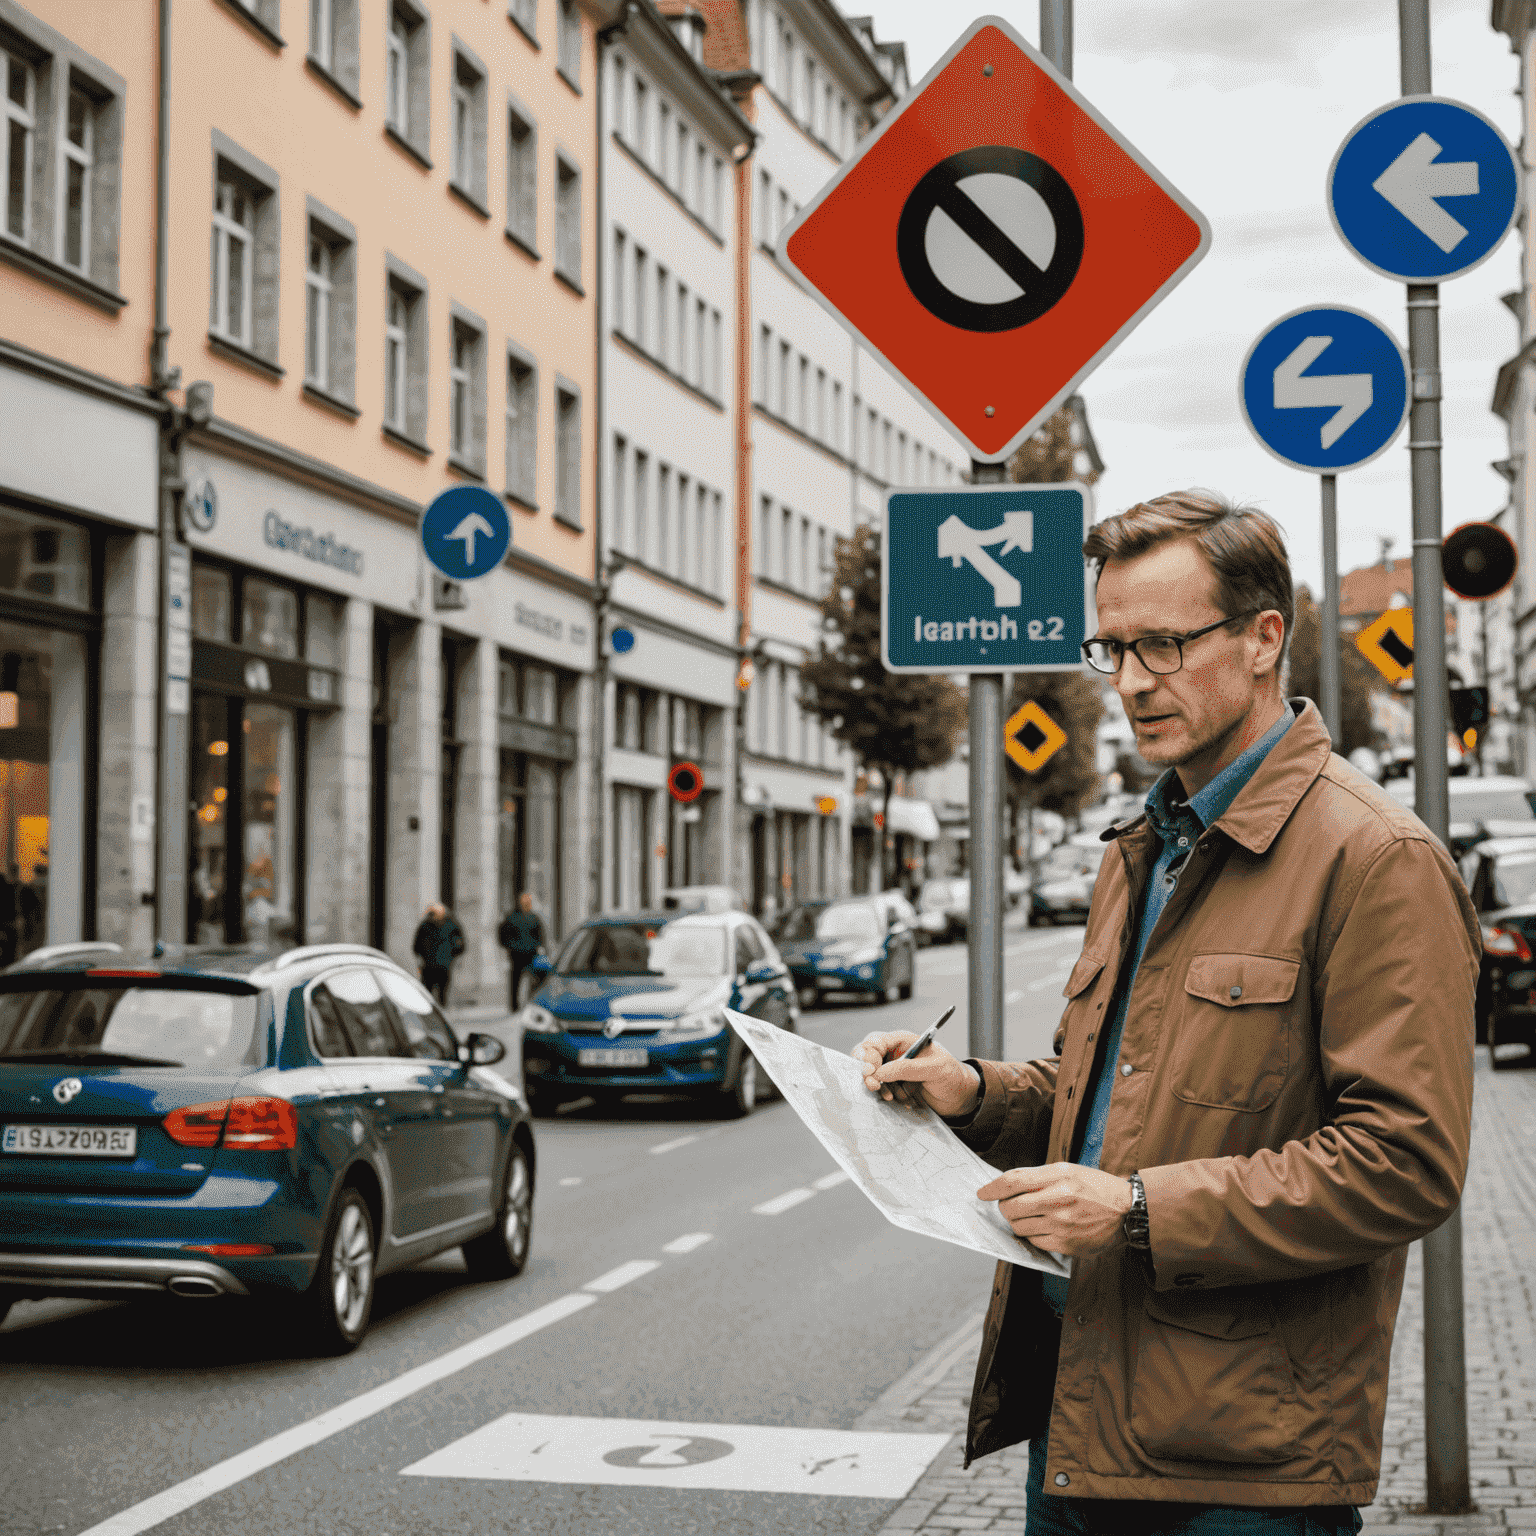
1261, 1093
522, 936
438, 943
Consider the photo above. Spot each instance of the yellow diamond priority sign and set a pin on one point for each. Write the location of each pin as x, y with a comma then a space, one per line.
1031, 737
1388, 644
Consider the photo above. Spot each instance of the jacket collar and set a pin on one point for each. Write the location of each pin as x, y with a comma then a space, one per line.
1265, 802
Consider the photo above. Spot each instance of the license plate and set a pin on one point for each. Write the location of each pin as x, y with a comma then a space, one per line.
71, 1140
615, 1058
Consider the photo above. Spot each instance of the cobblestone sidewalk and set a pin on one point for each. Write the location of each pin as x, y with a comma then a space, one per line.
1499, 1262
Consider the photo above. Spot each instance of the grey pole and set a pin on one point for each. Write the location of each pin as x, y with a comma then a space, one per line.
1447, 1474
1056, 33
1328, 638
985, 989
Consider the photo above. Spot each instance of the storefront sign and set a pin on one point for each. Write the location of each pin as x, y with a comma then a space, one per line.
232, 670
327, 549
548, 625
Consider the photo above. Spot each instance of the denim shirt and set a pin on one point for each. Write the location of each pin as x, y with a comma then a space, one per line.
1178, 824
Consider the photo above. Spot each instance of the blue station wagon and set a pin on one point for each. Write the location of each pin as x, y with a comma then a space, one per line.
636, 1004
226, 1123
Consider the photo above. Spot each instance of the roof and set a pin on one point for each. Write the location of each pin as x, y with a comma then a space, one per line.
1370, 588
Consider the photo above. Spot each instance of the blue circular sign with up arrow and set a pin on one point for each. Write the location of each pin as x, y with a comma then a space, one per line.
1325, 388
466, 532
1423, 189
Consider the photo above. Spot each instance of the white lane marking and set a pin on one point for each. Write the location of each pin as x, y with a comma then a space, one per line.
830, 1180
1013, 996
566, 1183
153, 1511
651, 1453
1044, 981
671, 1146
687, 1242
622, 1275
783, 1202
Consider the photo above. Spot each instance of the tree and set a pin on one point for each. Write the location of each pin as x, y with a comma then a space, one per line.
1358, 679
896, 722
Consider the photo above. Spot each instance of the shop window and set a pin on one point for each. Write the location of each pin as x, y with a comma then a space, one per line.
330, 306
324, 629
567, 453
243, 284
407, 92
522, 176
466, 391
212, 603
269, 617
467, 141
405, 353
568, 220
44, 560
333, 43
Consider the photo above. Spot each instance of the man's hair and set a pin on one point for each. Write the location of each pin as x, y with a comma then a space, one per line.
1243, 546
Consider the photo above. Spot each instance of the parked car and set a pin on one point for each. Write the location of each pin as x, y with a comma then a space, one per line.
1500, 875
796, 923
944, 908
702, 898
1016, 882
899, 909
862, 944
1497, 805
226, 1123
636, 1004
1063, 888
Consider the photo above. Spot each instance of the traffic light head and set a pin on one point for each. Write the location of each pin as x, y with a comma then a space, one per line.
1469, 709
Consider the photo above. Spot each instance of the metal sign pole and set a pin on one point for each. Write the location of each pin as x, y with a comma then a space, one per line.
985, 988
1328, 686
1446, 1468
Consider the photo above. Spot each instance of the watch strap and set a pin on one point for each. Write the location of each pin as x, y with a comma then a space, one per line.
1138, 1230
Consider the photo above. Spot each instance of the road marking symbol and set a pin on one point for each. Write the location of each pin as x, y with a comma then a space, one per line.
830, 1180
566, 1183
622, 1275
781, 1203
687, 1242
671, 1146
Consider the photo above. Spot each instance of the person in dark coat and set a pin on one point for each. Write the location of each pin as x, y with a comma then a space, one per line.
438, 943
522, 936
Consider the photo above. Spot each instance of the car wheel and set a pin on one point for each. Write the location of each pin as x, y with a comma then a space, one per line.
740, 1099
503, 1251
340, 1297
906, 986
890, 992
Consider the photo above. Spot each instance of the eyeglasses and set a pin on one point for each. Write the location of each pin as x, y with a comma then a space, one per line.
1159, 654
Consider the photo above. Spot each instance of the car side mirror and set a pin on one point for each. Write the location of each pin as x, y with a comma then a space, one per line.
762, 970
481, 1050
541, 965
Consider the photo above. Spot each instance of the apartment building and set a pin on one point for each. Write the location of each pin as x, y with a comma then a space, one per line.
379, 248
671, 138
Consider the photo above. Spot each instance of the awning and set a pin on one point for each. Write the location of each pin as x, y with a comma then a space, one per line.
914, 818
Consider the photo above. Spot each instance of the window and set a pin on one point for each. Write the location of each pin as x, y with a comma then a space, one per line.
763, 546
20, 124
620, 96
717, 195
786, 571
525, 15
715, 583
663, 516
716, 354
783, 391
764, 207
663, 311
466, 390
407, 87
640, 546
703, 573
663, 141
823, 574
619, 531
764, 352
77, 149
568, 221
333, 40
317, 313
467, 172
804, 553
802, 396
701, 374
642, 276
569, 50
522, 177
822, 434
567, 453
642, 120
234, 238
837, 416
522, 426
682, 331
405, 353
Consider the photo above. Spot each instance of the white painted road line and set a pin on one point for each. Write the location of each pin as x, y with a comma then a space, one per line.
622, 1275
225, 1474
687, 1242
671, 1146
651, 1453
783, 1202
1013, 996
1046, 981
566, 1183
830, 1180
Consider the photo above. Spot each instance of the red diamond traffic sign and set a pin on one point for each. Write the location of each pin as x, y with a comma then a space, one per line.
994, 240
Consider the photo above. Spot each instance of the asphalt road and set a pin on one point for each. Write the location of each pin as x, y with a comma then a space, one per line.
718, 1281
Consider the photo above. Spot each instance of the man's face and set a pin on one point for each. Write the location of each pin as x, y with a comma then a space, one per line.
525, 901
1191, 715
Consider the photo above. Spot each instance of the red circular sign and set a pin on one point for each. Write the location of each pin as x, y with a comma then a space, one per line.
686, 782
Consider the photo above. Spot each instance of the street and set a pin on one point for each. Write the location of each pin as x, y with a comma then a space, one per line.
696, 1274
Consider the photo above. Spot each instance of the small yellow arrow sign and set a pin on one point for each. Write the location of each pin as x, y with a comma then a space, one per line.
1031, 737
1387, 644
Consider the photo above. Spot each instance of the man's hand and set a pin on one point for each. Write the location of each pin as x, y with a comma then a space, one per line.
1062, 1207
949, 1087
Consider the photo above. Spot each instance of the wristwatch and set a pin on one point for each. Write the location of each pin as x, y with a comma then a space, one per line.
1138, 1231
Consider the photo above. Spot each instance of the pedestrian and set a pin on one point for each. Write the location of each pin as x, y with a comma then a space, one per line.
438, 943
522, 936
1261, 1092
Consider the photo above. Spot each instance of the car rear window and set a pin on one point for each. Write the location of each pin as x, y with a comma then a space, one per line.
1514, 882
128, 1026
1492, 805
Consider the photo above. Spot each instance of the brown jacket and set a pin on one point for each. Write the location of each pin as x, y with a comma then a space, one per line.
1299, 1107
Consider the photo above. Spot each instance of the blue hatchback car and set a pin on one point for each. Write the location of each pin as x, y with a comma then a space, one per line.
636, 1004
228, 1123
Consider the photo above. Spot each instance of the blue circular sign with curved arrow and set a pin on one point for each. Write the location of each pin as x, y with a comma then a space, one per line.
1325, 388
466, 532
1423, 189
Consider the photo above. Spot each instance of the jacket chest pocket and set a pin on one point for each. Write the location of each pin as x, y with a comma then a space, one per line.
1231, 1047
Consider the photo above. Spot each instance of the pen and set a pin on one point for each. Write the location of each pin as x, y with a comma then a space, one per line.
923, 1041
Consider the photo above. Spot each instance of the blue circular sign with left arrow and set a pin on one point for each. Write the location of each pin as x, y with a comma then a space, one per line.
1423, 189
1325, 388
466, 532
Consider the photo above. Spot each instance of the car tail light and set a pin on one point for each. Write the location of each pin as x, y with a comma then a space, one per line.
1506, 941
197, 1125
261, 1125
231, 1250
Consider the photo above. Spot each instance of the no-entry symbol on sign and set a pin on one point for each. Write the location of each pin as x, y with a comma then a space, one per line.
990, 238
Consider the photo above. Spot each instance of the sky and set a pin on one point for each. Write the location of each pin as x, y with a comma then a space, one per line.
1242, 104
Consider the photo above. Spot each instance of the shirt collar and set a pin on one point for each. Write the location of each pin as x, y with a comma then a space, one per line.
1166, 806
